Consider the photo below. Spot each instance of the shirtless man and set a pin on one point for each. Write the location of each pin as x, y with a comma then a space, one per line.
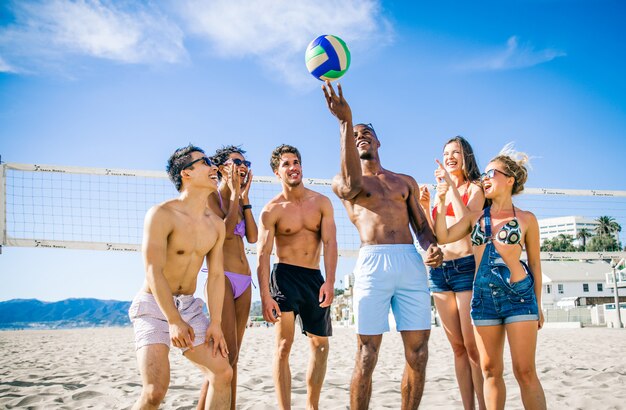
389, 270
178, 235
299, 221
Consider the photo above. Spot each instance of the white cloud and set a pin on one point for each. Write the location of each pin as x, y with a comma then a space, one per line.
277, 32
127, 32
5, 67
514, 56
274, 34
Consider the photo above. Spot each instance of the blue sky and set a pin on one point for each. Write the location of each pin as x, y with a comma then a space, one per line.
122, 84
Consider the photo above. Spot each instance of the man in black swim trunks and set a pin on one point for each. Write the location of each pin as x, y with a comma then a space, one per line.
300, 221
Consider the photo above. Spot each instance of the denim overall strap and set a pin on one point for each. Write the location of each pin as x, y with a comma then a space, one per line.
487, 218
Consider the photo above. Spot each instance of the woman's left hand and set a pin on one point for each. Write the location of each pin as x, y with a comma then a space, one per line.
541, 319
245, 192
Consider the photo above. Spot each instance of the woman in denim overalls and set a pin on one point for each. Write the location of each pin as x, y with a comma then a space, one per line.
507, 292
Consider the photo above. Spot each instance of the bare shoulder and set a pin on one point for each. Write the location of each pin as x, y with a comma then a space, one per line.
273, 203
527, 217
475, 187
407, 178
164, 210
217, 221
272, 209
316, 196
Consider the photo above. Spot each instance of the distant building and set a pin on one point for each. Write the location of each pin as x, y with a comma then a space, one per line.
566, 225
348, 281
572, 283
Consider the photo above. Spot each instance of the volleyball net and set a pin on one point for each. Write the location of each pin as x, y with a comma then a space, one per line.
68, 207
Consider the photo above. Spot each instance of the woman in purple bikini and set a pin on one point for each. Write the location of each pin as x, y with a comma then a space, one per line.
231, 202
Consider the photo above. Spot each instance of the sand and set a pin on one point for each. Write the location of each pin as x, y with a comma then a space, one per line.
95, 368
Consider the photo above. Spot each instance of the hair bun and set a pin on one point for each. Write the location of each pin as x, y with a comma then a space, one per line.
521, 158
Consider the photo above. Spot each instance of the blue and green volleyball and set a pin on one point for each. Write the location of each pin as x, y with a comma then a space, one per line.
327, 58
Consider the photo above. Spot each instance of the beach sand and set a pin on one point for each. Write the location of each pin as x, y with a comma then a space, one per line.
96, 368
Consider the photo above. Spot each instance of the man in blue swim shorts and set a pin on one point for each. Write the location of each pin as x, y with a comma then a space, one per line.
389, 270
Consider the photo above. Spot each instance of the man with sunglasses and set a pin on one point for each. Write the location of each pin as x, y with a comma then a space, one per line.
179, 234
384, 206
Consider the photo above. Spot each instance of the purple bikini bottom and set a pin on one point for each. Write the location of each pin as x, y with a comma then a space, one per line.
239, 282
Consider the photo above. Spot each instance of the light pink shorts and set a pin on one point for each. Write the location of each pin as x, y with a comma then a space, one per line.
151, 326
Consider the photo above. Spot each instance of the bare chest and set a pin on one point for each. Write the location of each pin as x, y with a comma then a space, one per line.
295, 218
383, 193
192, 236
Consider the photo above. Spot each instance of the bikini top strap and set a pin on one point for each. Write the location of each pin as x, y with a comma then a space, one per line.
466, 194
514, 216
487, 217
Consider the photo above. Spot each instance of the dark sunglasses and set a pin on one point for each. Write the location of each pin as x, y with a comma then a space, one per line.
238, 162
492, 173
206, 160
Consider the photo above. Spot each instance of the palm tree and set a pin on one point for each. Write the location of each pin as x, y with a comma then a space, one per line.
607, 226
583, 235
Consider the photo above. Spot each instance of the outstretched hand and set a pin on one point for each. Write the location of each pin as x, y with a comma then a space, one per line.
337, 105
441, 174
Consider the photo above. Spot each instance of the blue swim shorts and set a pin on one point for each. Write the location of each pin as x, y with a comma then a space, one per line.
456, 275
390, 276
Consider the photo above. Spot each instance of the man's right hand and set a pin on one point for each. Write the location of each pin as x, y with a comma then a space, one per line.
182, 335
434, 256
271, 311
337, 105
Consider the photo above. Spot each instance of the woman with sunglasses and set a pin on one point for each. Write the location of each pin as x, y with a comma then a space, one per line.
507, 292
451, 283
232, 202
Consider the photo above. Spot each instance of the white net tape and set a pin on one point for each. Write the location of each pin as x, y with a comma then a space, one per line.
97, 208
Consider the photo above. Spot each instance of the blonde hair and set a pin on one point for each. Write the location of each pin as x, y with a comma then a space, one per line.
515, 164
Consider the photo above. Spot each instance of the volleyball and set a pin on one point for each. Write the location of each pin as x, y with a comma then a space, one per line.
327, 58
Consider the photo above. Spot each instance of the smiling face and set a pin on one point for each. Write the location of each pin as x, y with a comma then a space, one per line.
496, 181
289, 170
366, 141
453, 158
242, 168
200, 173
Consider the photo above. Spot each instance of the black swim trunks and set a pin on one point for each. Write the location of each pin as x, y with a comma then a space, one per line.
296, 289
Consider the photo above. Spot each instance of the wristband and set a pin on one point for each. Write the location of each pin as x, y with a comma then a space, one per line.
246, 207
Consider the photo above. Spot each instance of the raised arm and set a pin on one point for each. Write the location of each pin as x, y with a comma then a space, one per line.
215, 291
348, 183
457, 231
532, 244
329, 242
267, 228
232, 213
476, 195
252, 232
157, 228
